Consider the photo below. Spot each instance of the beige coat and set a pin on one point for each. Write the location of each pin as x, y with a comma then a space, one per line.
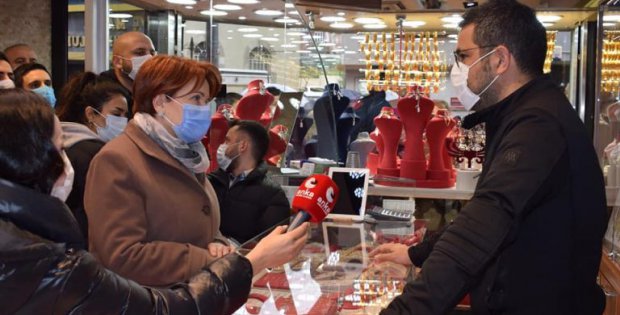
149, 218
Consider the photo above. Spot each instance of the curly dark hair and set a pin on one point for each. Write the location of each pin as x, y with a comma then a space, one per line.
27, 153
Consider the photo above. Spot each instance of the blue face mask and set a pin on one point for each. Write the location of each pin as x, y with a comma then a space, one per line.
195, 123
47, 92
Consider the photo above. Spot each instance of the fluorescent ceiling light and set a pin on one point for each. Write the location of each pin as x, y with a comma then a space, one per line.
286, 20
242, 18
368, 20
341, 25
327, 44
202, 32
454, 36
269, 39
288, 46
547, 24
332, 18
453, 19
303, 51
247, 29
413, 23
451, 25
608, 24
341, 14
350, 52
295, 33
611, 18
229, 37
213, 13
243, 1
188, 2
293, 12
548, 18
289, 5
267, 12
189, 7
120, 15
375, 26
227, 7
252, 35
299, 42
358, 37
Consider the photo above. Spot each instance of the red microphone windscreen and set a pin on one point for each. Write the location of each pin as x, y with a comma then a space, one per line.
317, 196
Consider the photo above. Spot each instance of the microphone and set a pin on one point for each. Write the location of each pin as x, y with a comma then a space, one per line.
314, 200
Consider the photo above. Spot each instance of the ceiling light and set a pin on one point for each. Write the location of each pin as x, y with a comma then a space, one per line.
293, 12
242, 18
333, 18
188, 2
299, 42
289, 5
247, 29
547, 24
611, 18
358, 37
295, 33
341, 25
548, 18
213, 13
454, 36
189, 7
303, 51
227, 7
269, 39
375, 26
327, 44
120, 15
276, 34
252, 35
230, 31
340, 14
307, 36
288, 46
267, 12
337, 50
453, 19
200, 32
451, 25
229, 37
350, 52
243, 1
286, 20
608, 24
413, 23
368, 20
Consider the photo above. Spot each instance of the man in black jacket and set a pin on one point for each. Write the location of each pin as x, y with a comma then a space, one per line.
529, 241
250, 202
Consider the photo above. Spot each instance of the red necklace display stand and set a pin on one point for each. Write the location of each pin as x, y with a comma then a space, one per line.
254, 103
374, 158
217, 132
391, 128
415, 112
438, 175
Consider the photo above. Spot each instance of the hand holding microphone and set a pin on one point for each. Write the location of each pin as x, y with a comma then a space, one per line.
314, 200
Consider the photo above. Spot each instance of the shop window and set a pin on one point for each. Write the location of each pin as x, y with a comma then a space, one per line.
260, 58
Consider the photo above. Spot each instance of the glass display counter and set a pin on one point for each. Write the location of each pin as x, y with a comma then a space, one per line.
334, 274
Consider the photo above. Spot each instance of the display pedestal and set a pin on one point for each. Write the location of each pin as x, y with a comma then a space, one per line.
390, 127
415, 113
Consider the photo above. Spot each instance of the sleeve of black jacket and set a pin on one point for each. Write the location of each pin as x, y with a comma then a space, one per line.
523, 160
420, 252
220, 289
277, 210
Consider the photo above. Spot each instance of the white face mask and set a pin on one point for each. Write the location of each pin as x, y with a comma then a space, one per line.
136, 63
459, 75
222, 160
62, 190
7, 84
114, 125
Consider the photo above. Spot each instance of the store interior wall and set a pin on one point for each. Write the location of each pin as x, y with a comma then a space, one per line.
28, 22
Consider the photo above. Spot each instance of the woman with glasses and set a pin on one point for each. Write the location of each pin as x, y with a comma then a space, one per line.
152, 216
44, 267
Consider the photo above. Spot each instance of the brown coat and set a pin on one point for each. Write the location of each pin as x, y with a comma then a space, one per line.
149, 218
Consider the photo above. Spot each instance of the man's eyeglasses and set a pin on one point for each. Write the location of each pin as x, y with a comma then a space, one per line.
459, 56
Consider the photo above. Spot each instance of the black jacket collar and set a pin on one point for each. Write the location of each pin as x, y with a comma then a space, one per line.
258, 173
495, 113
39, 214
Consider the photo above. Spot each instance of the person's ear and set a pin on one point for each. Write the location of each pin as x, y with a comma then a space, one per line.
503, 57
90, 114
117, 62
158, 103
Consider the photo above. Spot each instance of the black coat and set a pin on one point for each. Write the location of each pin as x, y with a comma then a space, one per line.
529, 241
250, 206
80, 155
43, 269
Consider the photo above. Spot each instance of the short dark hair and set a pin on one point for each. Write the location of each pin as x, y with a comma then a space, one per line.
514, 25
27, 153
230, 98
3, 57
24, 69
83, 90
273, 90
257, 134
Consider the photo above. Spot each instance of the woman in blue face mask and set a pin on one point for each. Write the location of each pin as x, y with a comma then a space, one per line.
152, 216
93, 111
35, 77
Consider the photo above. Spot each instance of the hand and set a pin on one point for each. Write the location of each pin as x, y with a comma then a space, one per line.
218, 249
277, 248
394, 252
